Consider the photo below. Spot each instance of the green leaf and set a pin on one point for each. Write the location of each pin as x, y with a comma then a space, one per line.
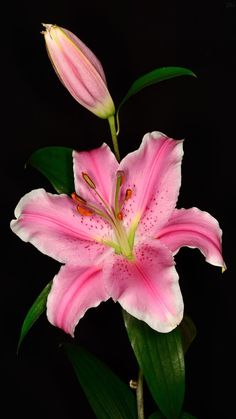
183, 415
56, 164
156, 415
153, 77
160, 357
108, 396
188, 332
34, 313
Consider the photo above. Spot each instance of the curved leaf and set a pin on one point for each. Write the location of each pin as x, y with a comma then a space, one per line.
153, 77
108, 396
160, 357
56, 164
34, 313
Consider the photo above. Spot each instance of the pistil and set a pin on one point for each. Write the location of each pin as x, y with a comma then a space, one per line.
120, 178
113, 216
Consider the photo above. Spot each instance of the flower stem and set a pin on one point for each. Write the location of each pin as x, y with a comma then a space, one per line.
112, 125
139, 396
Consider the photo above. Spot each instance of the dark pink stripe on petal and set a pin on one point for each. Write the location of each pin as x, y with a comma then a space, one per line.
194, 228
75, 290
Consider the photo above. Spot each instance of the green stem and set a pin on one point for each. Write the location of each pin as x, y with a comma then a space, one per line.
139, 396
112, 125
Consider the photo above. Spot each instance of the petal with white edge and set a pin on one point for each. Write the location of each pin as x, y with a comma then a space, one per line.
74, 291
52, 224
153, 173
194, 228
148, 286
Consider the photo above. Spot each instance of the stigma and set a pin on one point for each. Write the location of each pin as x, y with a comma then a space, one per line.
111, 213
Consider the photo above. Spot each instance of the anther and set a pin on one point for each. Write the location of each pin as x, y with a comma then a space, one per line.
84, 211
128, 194
120, 216
78, 198
88, 180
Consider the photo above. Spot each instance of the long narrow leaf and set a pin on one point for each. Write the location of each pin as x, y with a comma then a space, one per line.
108, 396
160, 357
34, 313
56, 164
153, 77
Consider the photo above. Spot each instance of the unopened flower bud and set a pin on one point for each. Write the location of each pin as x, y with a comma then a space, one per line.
79, 70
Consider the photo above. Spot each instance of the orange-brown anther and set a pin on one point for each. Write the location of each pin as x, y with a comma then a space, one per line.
78, 198
84, 211
88, 180
128, 194
120, 216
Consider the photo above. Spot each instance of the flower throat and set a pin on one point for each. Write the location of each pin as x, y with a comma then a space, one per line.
113, 216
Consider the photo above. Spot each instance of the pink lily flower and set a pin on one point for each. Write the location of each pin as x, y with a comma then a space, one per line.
79, 70
118, 234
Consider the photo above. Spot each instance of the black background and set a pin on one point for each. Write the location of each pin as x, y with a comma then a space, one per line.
130, 39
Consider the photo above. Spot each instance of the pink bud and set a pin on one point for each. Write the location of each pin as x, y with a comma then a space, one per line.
79, 70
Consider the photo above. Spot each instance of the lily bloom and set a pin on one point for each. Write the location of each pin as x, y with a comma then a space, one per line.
79, 70
117, 235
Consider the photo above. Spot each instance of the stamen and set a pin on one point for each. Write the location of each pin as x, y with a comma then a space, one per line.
120, 216
120, 179
81, 207
128, 194
108, 215
113, 215
84, 211
88, 180
78, 198
86, 208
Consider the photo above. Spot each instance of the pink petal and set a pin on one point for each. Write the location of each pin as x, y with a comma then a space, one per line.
87, 53
101, 165
74, 291
148, 287
52, 224
194, 228
153, 173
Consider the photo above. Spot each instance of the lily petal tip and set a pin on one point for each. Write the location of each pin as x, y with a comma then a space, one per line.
223, 268
45, 25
